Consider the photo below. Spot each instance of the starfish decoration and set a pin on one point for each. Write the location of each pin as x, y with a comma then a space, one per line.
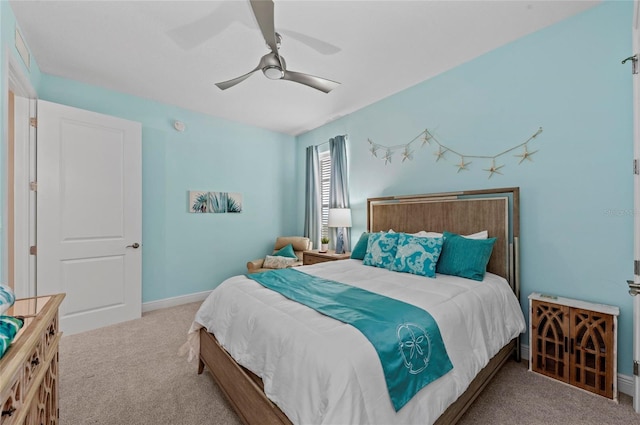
462, 165
387, 157
373, 149
493, 168
525, 155
426, 140
440, 153
407, 154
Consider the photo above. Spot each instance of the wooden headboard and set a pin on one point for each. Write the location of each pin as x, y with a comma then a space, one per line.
466, 212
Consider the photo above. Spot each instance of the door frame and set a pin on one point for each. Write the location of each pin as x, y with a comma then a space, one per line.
635, 31
22, 205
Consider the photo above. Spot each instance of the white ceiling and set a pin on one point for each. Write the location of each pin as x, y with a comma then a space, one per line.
174, 51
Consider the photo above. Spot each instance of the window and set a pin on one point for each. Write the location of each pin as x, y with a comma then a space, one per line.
325, 186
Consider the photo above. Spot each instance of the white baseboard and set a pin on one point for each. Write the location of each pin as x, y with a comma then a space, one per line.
625, 382
174, 301
524, 352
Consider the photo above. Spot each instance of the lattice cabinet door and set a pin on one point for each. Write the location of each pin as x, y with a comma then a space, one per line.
592, 351
549, 339
575, 342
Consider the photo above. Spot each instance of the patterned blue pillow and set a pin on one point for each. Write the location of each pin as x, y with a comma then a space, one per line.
417, 255
381, 250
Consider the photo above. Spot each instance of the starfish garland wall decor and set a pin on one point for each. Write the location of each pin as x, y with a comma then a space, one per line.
493, 169
463, 165
387, 157
407, 154
427, 138
439, 154
525, 155
374, 150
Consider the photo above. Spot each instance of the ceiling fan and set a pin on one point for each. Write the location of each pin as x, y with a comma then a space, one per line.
273, 65
195, 33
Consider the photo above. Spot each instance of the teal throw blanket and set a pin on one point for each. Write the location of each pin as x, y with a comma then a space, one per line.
406, 338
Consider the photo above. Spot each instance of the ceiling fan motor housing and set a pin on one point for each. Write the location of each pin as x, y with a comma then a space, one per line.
273, 68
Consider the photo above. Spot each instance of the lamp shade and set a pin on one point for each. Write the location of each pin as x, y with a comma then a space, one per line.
339, 217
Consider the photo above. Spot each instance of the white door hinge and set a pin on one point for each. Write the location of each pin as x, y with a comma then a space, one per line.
33, 122
33, 186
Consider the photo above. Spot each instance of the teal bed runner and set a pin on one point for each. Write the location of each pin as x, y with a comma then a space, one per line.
406, 338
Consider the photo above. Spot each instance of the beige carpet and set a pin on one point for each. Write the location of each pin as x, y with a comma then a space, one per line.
130, 374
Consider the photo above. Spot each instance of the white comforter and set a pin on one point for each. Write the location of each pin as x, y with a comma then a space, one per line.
320, 371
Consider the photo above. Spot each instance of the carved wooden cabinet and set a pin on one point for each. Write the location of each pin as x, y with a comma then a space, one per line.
574, 342
29, 378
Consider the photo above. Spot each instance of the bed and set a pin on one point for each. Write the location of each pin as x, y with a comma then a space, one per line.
279, 362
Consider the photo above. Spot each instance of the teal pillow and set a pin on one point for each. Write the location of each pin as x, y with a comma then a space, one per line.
358, 252
381, 250
286, 251
417, 255
464, 257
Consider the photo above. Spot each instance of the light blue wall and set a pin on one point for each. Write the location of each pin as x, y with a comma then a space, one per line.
186, 253
576, 195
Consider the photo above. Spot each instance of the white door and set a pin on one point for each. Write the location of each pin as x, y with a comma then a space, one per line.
636, 136
89, 215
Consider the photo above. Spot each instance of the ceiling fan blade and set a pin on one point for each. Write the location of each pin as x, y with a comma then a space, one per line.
197, 32
319, 46
230, 83
263, 11
318, 83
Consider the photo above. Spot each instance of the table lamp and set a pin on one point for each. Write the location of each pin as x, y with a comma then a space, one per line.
340, 218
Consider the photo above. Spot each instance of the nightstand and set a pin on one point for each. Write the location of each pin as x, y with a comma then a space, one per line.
314, 256
575, 342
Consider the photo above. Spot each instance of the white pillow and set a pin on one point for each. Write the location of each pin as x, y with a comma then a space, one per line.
423, 234
480, 235
278, 262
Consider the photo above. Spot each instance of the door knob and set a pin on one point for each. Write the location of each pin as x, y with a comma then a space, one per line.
134, 246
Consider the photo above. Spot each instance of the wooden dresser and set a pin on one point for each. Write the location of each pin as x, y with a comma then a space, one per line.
29, 378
